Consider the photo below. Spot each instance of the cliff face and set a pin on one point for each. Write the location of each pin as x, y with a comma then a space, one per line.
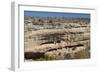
56, 38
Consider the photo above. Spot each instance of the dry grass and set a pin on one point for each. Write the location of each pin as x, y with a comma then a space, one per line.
83, 54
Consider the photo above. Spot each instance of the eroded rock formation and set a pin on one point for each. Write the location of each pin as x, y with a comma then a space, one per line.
56, 39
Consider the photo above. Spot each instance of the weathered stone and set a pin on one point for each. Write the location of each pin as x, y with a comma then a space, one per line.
51, 38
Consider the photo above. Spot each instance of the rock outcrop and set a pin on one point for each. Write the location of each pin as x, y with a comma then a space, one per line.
56, 39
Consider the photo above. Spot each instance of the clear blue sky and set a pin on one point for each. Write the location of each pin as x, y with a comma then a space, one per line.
56, 14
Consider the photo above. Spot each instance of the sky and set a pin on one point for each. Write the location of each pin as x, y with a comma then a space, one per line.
56, 14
